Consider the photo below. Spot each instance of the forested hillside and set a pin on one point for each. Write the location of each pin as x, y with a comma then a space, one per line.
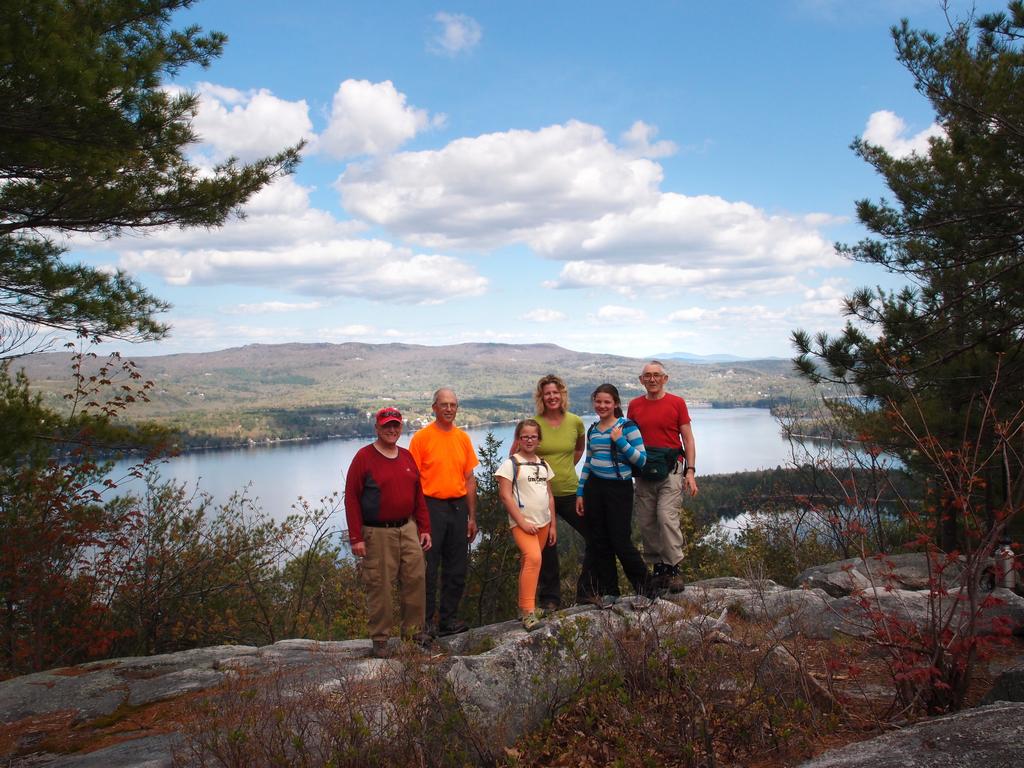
318, 390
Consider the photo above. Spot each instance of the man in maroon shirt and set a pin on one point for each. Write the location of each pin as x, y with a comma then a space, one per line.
664, 423
389, 529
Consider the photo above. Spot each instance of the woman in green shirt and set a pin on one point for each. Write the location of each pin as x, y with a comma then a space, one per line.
562, 441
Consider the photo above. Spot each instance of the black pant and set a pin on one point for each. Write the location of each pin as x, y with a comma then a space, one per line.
449, 554
608, 506
549, 585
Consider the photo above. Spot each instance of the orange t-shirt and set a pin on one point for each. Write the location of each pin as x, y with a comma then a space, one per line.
444, 458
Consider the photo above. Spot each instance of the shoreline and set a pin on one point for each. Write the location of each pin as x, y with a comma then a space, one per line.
271, 442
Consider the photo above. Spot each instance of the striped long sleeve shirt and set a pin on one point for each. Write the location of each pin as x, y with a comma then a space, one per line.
604, 462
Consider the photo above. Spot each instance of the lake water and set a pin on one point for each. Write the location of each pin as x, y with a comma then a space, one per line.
728, 440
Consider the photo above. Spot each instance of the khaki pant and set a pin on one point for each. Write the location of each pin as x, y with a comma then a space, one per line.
656, 506
394, 554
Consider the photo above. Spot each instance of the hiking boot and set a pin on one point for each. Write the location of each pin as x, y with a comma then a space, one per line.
602, 601
424, 640
674, 582
453, 627
531, 621
659, 578
549, 607
380, 649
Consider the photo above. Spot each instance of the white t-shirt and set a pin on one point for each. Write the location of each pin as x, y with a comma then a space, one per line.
530, 488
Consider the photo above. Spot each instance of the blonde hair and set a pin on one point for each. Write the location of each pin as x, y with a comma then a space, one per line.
538, 393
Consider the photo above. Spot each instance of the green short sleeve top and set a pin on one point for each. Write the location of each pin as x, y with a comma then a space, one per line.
557, 445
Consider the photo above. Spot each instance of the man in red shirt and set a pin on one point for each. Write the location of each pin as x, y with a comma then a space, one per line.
664, 423
389, 529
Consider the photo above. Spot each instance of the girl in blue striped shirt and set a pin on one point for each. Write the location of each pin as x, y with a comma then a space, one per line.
605, 496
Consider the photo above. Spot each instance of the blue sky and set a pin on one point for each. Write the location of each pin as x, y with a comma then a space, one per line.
610, 177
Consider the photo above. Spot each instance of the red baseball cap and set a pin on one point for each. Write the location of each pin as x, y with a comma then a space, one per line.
388, 415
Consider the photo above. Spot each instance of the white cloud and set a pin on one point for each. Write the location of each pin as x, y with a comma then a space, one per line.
543, 316
687, 315
348, 331
628, 278
247, 124
361, 331
823, 301
458, 33
703, 232
638, 140
830, 288
499, 188
371, 119
272, 307
372, 269
191, 333
570, 194
286, 244
620, 314
889, 131
277, 216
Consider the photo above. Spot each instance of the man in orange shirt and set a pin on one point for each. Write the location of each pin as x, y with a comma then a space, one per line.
446, 459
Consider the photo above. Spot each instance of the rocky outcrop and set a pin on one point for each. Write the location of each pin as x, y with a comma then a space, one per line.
909, 571
505, 681
818, 613
989, 736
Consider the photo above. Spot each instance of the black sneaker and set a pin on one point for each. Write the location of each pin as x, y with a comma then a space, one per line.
453, 627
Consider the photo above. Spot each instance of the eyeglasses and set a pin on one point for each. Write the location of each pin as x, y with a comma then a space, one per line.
529, 437
652, 376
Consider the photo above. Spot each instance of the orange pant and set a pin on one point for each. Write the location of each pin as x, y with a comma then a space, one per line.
530, 545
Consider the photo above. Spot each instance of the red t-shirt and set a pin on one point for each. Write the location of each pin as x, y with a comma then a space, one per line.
660, 420
379, 489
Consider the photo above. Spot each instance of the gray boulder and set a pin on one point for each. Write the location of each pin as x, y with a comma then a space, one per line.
1009, 685
852, 615
147, 752
989, 736
97, 689
523, 680
904, 571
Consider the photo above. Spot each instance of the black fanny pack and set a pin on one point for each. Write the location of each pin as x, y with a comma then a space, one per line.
660, 463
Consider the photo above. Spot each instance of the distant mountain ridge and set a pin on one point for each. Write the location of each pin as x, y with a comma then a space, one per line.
203, 390
715, 358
